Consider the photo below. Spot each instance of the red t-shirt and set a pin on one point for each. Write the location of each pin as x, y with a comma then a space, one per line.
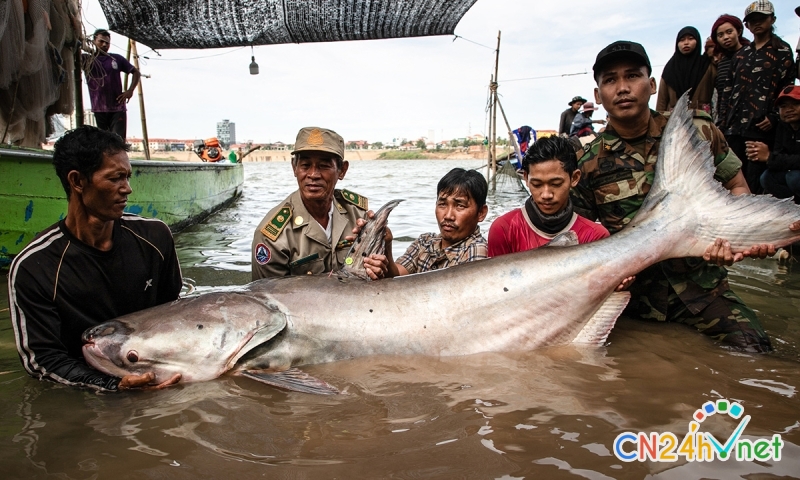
514, 232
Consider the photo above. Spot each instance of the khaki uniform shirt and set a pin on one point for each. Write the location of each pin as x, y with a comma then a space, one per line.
288, 241
615, 179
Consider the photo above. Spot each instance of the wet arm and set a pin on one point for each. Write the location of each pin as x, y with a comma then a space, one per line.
37, 328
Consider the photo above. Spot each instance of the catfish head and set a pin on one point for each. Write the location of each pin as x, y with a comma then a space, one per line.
200, 337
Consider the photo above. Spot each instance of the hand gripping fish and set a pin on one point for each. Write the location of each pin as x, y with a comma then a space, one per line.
516, 302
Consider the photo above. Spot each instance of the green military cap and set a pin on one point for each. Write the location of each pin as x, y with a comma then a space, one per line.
319, 140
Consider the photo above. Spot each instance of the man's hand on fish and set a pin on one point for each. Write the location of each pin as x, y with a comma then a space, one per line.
720, 252
145, 382
376, 266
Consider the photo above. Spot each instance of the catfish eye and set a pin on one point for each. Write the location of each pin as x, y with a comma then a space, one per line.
132, 356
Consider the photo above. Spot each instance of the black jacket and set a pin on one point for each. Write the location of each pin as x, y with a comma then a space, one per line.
785, 154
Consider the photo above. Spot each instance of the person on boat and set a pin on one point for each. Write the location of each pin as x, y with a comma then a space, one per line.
105, 85
460, 206
96, 264
568, 115
688, 69
727, 35
311, 231
617, 171
760, 71
782, 177
582, 125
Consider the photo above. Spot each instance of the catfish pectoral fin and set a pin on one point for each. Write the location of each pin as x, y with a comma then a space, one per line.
293, 379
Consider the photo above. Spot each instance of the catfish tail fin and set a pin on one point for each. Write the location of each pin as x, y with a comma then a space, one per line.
685, 187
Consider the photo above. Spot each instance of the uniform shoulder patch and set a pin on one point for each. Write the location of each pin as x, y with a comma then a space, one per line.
272, 230
359, 201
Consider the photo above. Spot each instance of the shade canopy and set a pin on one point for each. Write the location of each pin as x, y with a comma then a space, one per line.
166, 24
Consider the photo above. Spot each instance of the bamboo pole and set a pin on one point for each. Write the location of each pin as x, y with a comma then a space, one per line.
489, 133
125, 77
145, 141
493, 140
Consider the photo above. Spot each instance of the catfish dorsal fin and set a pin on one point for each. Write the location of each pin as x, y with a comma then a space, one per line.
369, 241
566, 239
596, 330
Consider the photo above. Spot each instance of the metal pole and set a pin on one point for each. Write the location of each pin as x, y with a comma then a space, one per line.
493, 141
145, 141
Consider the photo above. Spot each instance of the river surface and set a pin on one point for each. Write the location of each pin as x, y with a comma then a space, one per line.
550, 413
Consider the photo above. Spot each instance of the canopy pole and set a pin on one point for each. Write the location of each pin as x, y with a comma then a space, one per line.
145, 141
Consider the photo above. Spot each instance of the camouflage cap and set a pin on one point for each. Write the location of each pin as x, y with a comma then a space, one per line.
319, 140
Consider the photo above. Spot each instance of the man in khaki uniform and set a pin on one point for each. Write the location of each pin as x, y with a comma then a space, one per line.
307, 233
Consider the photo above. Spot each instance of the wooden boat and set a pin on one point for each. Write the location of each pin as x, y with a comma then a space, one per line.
179, 193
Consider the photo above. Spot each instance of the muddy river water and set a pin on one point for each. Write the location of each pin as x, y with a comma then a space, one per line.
550, 413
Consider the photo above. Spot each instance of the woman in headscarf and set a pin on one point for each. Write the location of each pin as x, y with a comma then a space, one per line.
688, 69
728, 39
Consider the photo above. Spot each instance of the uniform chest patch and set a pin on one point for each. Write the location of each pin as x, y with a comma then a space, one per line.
263, 255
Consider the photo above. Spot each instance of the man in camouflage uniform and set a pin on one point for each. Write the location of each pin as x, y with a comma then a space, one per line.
311, 231
617, 171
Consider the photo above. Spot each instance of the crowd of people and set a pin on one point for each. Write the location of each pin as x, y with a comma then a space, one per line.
743, 85
99, 263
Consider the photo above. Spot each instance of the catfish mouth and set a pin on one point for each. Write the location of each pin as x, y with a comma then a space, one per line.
96, 358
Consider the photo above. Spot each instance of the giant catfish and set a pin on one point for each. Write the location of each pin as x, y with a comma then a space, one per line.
516, 302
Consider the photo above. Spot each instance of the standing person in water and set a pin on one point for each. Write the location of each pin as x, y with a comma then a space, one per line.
727, 35
688, 69
760, 71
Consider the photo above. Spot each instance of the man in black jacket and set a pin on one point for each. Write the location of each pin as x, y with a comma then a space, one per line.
782, 177
96, 264
568, 115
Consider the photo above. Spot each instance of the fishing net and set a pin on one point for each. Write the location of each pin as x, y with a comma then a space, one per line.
506, 180
36, 41
230, 23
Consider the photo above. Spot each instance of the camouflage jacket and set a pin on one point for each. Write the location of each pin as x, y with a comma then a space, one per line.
615, 179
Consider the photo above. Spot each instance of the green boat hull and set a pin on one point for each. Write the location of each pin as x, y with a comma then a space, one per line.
179, 193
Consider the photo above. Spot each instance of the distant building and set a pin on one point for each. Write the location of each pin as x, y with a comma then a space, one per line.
226, 132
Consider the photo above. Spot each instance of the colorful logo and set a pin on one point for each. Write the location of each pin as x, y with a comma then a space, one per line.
262, 254
699, 446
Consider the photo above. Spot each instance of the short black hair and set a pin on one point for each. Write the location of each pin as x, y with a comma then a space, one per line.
470, 182
552, 148
82, 149
101, 32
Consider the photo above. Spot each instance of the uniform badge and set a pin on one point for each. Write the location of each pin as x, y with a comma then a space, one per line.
356, 199
298, 220
315, 138
263, 255
274, 227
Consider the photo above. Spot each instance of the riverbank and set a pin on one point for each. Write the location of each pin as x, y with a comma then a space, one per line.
349, 155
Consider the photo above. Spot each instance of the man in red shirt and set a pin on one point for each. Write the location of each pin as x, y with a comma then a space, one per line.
551, 168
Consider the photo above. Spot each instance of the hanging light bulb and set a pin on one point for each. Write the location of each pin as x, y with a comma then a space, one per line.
253, 64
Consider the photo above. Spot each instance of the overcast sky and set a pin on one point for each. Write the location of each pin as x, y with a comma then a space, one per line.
379, 90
